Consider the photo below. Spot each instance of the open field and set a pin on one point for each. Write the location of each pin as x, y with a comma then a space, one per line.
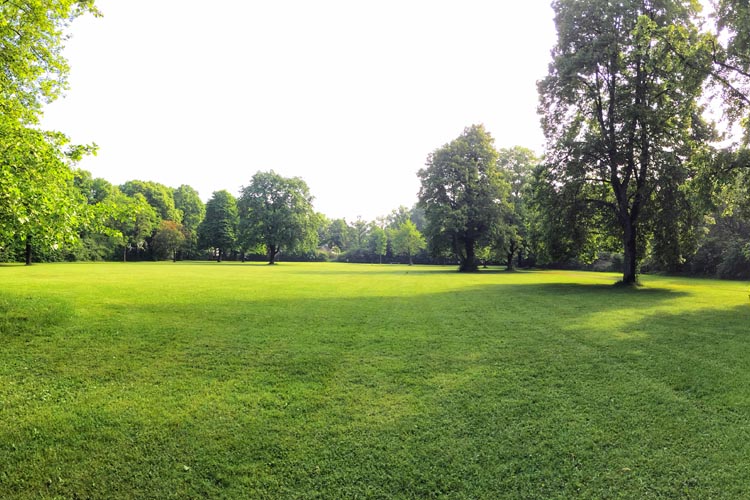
192, 380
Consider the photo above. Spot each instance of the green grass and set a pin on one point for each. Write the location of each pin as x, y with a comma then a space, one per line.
205, 380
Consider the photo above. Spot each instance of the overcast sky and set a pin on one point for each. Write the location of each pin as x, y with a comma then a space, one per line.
349, 95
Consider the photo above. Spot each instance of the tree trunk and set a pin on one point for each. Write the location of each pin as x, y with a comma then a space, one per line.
410, 261
174, 256
272, 251
510, 261
469, 265
630, 263
125, 253
28, 250
218, 255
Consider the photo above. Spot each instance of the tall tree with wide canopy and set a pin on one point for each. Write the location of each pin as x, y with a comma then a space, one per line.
219, 227
36, 199
620, 107
462, 195
277, 212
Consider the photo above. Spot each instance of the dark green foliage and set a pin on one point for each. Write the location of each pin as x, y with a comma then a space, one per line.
277, 212
462, 195
620, 111
218, 231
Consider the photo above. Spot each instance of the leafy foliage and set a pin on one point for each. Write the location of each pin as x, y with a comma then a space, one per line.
407, 240
620, 108
277, 212
31, 41
38, 200
219, 227
463, 195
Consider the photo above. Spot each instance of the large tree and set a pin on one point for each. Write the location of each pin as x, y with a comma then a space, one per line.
463, 195
36, 199
620, 108
219, 227
39, 203
277, 212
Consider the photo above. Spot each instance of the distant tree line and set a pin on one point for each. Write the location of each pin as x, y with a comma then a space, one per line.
634, 177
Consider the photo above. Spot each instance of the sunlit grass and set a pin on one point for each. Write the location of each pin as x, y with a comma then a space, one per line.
231, 380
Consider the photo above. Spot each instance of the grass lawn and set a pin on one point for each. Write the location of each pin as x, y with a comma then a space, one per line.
205, 380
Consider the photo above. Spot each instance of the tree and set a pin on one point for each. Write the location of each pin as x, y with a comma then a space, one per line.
187, 201
39, 203
337, 235
277, 212
731, 59
219, 227
462, 195
132, 218
158, 195
34, 69
378, 242
359, 230
168, 239
407, 240
510, 238
620, 109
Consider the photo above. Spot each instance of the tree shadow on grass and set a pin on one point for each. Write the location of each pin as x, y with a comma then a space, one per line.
483, 391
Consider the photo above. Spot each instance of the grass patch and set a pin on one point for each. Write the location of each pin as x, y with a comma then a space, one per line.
191, 380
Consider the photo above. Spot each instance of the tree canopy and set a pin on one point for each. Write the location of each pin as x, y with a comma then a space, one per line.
620, 110
35, 72
463, 195
219, 227
277, 212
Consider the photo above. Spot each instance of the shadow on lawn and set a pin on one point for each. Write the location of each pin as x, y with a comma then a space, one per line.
475, 392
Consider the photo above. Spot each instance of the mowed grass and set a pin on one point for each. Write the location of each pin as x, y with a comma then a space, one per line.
205, 380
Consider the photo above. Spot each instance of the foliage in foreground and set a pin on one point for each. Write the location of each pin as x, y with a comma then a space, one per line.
341, 381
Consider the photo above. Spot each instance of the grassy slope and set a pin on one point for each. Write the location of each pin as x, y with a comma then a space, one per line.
335, 380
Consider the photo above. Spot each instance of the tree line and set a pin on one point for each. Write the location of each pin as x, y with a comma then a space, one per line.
634, 176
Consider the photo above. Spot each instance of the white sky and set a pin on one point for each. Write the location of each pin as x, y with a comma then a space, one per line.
349, 95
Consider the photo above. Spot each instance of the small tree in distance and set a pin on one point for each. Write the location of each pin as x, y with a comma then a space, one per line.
169, 238
407, 240
378, 242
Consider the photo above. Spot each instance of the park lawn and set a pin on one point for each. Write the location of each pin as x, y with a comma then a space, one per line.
206, 380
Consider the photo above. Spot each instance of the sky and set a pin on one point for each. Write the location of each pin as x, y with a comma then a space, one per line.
351, 96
